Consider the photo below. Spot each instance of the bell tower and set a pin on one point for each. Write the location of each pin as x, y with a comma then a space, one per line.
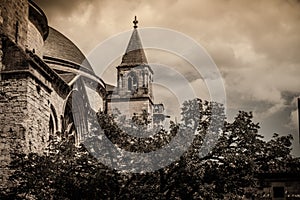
133, 94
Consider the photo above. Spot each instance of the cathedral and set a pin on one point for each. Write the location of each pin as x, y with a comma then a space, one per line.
46, 83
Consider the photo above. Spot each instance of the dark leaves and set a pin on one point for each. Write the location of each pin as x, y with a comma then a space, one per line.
223, 161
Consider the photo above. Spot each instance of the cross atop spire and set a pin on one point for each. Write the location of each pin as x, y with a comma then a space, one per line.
135, 22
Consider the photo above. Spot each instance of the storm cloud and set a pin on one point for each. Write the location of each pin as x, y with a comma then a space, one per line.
58, 7
254, 43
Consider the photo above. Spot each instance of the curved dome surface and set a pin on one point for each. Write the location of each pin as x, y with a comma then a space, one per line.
58, 46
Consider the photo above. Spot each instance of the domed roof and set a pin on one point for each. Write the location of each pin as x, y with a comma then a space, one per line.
58, 46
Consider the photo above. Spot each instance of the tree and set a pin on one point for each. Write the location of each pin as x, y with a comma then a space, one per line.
65, 172
221, 162
229, 168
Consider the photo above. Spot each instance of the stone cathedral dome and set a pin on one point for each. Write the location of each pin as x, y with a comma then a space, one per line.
62, 51
66, 59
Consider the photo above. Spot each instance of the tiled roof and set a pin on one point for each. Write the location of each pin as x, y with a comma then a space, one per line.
59, 46
134, 54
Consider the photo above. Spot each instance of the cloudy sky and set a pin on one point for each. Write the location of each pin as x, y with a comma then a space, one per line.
254, 43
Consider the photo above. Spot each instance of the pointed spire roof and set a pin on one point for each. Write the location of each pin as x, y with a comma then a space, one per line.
134, 54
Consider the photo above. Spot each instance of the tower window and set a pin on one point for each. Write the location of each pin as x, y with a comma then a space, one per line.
132, 82
129, 83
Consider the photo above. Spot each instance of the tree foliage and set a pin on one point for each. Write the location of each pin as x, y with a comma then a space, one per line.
221, 162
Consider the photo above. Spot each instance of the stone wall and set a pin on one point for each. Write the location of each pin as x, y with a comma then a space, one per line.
58, 104
37, 116
128, 107
27, 100
13, 108
14, 20
24, 117
35, 40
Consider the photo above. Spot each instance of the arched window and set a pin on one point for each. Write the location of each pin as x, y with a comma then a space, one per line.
54, 117
129, 83
51, 126
134, 83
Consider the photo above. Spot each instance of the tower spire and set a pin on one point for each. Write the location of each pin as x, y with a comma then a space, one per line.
134, 54
135, 22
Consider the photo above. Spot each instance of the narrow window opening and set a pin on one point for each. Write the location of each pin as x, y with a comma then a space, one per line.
17, 32
51, 126
129, 83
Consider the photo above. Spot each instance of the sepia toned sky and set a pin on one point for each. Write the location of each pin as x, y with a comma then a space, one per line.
254, 43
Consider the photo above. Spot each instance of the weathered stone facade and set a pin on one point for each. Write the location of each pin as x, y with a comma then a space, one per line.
276, 185
42, 84
14, 20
